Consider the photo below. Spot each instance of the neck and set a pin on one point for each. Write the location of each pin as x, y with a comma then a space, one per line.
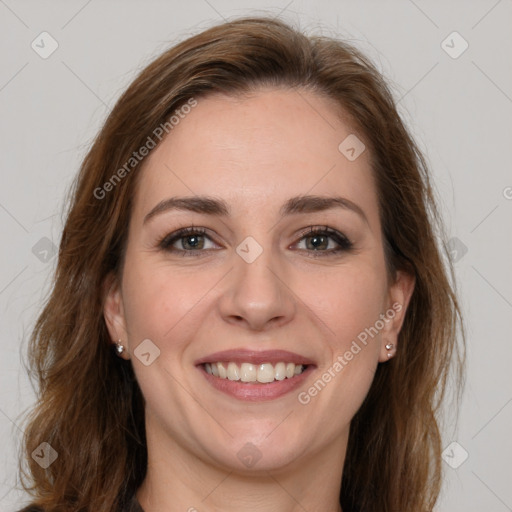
177, 480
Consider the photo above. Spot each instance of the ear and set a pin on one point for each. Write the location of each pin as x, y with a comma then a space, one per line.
113, 312
400, 293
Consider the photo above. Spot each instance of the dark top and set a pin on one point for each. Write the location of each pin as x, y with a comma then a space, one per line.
133, 506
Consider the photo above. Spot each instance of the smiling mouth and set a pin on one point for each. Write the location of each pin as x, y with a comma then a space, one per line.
248, 373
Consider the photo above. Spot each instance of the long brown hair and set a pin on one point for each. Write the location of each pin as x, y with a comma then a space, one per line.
90, 408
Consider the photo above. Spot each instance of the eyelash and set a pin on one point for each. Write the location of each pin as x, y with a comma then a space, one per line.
344, 243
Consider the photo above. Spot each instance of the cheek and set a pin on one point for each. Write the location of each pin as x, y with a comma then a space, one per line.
156, 300
348, 301
350, 307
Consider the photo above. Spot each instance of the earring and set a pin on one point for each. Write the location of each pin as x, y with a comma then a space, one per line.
119, 347
389, 346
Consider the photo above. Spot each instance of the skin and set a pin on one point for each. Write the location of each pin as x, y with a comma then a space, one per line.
254, 152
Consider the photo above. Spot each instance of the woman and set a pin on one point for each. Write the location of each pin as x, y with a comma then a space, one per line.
250, 309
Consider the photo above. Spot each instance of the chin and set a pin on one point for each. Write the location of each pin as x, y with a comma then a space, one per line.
258, 453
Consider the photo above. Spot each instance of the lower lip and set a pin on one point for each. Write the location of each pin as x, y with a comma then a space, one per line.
254, 391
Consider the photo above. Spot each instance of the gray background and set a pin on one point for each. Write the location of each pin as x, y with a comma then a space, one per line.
459, 109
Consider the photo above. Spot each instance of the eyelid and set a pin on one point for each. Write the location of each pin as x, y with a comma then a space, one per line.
321, 229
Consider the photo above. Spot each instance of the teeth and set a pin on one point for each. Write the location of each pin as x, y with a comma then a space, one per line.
223, 373
281, 371
248, 372
266, 373
233, 372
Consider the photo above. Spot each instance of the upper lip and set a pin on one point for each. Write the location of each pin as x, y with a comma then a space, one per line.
239, 355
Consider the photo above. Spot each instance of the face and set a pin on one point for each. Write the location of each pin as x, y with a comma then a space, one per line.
265, 280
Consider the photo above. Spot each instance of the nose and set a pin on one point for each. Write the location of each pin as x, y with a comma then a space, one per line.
257, 294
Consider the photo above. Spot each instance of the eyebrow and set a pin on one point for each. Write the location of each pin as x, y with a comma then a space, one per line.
295, 205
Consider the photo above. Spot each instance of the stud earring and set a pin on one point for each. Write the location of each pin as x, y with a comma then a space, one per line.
119, 347
389, 346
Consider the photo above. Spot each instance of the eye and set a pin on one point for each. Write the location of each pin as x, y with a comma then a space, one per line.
186, 241
192, 241
320, 240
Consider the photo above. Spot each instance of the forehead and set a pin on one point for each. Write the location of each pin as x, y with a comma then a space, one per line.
256, 151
